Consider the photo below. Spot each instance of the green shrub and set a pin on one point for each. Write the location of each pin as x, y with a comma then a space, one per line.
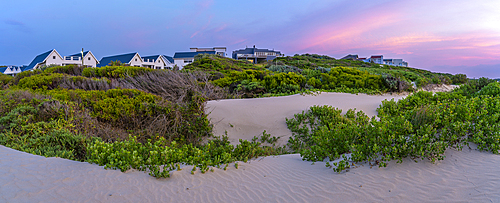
161, 157
75, 70
422, 125
459, 79
115, 71
44, 81
492, 89
5, 79
284, 69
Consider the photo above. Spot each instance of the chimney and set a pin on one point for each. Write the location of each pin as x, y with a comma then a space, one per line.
254, 46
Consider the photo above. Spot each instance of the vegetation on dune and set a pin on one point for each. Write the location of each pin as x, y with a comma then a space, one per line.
126, 117
422, 125
300, 73
4, 80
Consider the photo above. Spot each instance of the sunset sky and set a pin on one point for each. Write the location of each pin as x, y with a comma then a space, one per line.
456, 36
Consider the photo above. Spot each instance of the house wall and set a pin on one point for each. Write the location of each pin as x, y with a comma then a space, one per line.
160, 63
54, 59
92, 62
136, 61
180, 62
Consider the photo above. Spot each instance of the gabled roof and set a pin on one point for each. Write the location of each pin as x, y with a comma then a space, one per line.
3, 69
123, 58
169, 58
154, 57
191, 54
80, 54
85, 54
38, 59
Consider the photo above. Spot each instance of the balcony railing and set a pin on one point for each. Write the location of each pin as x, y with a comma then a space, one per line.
72, 58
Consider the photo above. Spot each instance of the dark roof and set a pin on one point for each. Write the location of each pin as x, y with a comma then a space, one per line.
80, 54
154, 57
190, 54
253, 50
350, 57
169, 58
123, 58
376, 57
38, 59
2, 69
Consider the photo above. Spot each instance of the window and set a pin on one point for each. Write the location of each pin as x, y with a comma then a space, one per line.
88, 59
53, 57
135, 59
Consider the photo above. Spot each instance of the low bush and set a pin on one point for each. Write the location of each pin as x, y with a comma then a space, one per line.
160, 157
4, 80
115, 71
422, 125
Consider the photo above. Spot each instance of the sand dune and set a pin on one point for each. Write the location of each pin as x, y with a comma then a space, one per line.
246, 118
464, 176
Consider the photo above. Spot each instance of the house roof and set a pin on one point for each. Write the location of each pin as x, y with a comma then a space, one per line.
38, 59
123, 58
169, 58
376, 57
253, 50
154, 57
80, 54
190, 54
350, 56
3, 69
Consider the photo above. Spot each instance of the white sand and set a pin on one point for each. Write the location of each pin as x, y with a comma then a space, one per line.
465, 176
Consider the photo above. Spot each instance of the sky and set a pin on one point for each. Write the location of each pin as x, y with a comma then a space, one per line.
453, 36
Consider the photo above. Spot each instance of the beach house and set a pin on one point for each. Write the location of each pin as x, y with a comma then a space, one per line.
396, 62
184, 58
11, 70
256, 55
154, 62
377, 59
52, 57
88, 59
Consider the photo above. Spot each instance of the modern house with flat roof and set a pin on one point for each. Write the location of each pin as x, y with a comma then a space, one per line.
221, 51
377, 59
395, 62
184, 58
256, 55
52, 57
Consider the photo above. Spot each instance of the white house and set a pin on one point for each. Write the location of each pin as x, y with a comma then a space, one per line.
377, 59
396, 62
11, 70
131, 59
154, 62
76, 59
54, 58
169, 61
